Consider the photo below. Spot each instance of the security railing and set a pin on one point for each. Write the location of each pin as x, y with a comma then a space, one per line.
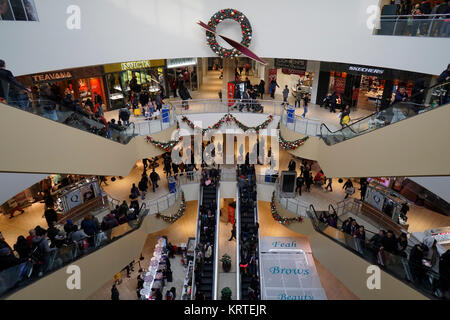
306, 126
396, 112
273, 107
294, 205
77, 117
408, 265
425, 25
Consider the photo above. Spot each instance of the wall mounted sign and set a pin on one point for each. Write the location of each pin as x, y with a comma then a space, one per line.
52, 76
133, 65
238, 48
181, 62
295, 64
365, 70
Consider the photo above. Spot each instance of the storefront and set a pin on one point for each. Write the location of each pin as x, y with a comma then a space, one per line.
150, 76
294, 74
81, 82
365, 87
182, 69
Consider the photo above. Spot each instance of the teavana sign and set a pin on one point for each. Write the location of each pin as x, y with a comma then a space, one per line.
52, 76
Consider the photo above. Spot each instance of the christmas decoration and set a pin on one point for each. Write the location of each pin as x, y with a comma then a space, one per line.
291, 145
166, 146
176, 216
280, 219
228, 119
220, 16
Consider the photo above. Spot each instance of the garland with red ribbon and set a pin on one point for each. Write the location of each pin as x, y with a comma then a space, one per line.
290, 145
276, 216
228, 119
176, 216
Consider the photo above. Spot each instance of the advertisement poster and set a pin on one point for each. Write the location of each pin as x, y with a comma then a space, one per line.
288, 271
339, 84
74, 199
87, 193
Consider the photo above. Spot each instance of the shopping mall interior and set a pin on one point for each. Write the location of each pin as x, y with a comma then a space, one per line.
184, 165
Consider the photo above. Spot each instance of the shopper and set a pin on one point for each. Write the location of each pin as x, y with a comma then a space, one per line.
305, 106
292, 165
48, 103
329, 185
299, 183
333, 102
363, 187
7, 257
400, 95
262, 88
154, 177
233, 232
298, 98
184, 95
443, 78
308, 181
272, 88
134, 193
143, 185
124, 115
348, 187
10, 89
50, 215
114, 293
285, 95
345, 116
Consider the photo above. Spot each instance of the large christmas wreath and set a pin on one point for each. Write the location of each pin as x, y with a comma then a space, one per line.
237, 16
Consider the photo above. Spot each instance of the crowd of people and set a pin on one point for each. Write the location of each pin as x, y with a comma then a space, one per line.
421, 14
249, 231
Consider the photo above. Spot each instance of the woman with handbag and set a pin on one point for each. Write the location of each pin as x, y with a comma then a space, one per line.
348, 187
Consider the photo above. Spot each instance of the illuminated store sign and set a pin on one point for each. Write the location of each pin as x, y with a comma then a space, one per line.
365, 70
142, 64
52, 76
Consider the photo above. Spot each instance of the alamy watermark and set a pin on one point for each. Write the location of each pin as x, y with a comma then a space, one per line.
374, 280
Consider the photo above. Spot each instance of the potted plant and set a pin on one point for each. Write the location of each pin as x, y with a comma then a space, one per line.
226, 262
226, 293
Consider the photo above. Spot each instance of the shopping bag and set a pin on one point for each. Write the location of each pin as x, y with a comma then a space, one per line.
137, 112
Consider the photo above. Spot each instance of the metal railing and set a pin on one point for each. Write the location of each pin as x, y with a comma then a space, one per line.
294, 205
398, 111
273, 107
398, 264
427, 25
216, 244
78, 118
197, 239
306, 126
238, 245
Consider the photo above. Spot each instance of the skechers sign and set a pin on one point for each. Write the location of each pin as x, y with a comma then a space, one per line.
365, 70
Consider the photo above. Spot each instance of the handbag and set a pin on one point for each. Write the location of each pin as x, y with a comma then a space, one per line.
137, 112
350, 190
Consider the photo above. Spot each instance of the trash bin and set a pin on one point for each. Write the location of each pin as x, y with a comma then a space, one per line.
290, 112
172, 185
165, 114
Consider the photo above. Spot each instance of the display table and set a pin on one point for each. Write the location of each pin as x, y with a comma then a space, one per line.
154, 277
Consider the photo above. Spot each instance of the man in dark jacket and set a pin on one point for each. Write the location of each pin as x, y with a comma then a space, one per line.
184, 95
154, 177
443, 78
10, 89
7, 258
143, 185
388, 243
299, 183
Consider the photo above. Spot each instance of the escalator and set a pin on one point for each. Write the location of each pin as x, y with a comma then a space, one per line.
205, 269
404, 264
248, 239
396, 112
72, 114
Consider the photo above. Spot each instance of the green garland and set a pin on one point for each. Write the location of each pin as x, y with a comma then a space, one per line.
166, 146
278, 218
290, 145
176, 216
229, 118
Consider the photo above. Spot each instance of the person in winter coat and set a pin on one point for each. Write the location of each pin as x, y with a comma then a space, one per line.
154, 177
143, 185
285, 95
184, 95
262, 88
272, 88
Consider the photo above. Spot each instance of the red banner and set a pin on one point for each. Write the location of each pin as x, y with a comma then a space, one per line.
339, 84
230, 93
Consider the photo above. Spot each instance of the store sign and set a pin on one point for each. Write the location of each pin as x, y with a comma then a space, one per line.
365, 70
133, 65
181, 62
52, 76
293, 71
142, 64
295, 64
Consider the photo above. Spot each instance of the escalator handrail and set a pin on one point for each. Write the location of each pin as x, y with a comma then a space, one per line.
391, 106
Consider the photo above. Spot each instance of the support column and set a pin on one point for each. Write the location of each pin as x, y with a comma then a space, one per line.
228, 75
314, 67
